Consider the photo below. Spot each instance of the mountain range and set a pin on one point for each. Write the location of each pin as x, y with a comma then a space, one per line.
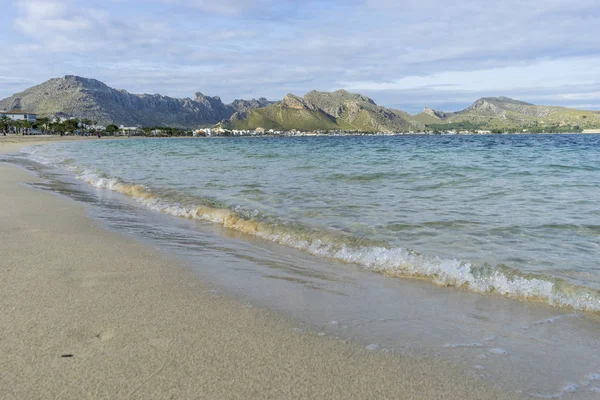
73, 96
77, 97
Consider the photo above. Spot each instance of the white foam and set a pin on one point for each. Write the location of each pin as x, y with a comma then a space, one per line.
570, 388
593, 377
372, 347
463, 345
390, 261
498, 351
551, 320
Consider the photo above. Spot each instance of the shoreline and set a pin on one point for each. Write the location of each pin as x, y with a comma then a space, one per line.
572, 298
137, 324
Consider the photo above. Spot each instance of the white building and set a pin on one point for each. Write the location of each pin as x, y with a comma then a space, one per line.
19, 115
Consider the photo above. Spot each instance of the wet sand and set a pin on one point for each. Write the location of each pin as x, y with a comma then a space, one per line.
91, 314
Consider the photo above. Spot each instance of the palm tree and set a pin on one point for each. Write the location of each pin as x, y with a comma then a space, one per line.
43, 123
18, 125
5, 122
28, 126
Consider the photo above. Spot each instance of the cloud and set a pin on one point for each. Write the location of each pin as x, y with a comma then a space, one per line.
226, 7
546, 73
411, 53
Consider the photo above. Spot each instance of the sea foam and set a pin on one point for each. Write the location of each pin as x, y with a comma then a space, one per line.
371, 255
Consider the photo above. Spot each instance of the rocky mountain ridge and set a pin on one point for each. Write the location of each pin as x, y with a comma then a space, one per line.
78, 97
339, 110
74, 96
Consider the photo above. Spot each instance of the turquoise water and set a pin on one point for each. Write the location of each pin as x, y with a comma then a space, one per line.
517, 215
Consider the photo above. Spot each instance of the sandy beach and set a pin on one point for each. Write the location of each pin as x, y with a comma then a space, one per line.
92, 314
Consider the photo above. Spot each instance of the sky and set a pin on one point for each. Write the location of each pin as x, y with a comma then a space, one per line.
405, 54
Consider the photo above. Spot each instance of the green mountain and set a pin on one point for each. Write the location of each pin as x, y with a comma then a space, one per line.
505, 113
325, 111
291, 113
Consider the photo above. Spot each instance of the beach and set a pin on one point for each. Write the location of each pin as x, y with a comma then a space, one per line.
93, 314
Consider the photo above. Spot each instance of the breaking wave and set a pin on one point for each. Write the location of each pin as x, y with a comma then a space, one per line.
372, 255
375, 256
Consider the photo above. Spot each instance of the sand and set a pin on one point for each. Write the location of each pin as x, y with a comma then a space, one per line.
88, 313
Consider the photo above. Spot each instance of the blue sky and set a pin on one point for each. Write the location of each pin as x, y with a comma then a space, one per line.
404, 54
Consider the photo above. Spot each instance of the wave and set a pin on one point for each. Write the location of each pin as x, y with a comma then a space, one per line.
372, 255
378, 257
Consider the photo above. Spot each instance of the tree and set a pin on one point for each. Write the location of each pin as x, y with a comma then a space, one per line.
71, 125
43, 123
27, 125
94, 123
85, 124
19, 126
112, 129
5, 121
59, 128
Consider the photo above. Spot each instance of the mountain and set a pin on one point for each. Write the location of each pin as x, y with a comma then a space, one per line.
292, 112
245, 105
431, 116
504, 112
325, 111
74, 96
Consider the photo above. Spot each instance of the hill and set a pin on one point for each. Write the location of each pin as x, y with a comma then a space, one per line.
507, 113
291, 113
340, 110
74, 96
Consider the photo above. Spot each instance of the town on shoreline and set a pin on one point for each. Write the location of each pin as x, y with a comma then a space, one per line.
12, 124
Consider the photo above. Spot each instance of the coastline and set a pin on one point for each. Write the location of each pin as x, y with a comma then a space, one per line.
139, 325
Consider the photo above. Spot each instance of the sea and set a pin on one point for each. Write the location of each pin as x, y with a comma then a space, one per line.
482, 249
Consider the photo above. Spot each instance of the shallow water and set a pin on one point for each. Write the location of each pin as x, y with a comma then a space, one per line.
530, 347
513, 214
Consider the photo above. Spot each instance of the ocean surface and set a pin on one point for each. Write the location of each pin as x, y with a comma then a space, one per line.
478, 250
516, 215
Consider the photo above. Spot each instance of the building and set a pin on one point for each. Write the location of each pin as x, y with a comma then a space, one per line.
130, 130
16, 115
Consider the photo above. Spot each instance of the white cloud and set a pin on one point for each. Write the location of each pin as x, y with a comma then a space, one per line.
543, 74
226, 7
